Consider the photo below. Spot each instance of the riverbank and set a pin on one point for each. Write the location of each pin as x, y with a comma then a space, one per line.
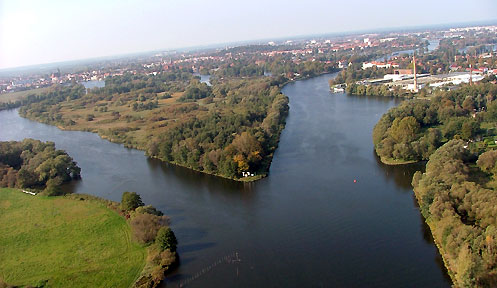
443, 254
142, 148
393, 162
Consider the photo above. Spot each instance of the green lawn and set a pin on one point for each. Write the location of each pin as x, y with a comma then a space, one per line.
69, 243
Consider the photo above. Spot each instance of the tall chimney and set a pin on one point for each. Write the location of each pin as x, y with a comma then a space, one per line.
414, 68
470, 75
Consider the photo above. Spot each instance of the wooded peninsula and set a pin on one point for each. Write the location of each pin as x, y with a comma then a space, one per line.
230, 128
456, 132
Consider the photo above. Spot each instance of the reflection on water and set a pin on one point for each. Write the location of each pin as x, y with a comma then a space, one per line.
401, 174
204, 78
307, 224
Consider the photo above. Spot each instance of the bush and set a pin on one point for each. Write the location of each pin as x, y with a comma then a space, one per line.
53, 187
149, 209
146, 226
166, 239
161, 258
130, 201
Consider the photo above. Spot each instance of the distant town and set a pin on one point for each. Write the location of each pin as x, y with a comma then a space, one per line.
472, 59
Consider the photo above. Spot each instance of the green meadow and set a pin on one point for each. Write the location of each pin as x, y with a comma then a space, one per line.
65, 242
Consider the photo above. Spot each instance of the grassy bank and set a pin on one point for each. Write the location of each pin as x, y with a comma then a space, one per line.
65, 242
390, 161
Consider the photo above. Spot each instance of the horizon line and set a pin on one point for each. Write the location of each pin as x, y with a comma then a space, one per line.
249, 42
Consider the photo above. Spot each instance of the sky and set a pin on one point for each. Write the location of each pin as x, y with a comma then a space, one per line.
36, 31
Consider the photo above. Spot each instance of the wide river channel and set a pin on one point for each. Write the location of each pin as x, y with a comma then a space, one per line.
329, 214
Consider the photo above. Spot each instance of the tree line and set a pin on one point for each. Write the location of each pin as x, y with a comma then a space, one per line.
457, 197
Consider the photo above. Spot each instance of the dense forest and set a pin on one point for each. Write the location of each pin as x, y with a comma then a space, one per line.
458, 199
34, 164
415, 129
238, 135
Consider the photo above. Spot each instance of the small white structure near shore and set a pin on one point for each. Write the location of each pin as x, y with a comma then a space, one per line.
248, 174
28, 192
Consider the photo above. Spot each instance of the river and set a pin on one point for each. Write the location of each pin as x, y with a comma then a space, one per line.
329, 214
433, 44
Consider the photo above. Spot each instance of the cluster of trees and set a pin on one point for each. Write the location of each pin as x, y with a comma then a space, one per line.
196, 91
144, 106
240, 68
140, 87
457, 197
165, 81
34, 164
239, 135
355, 73
285, 65
415, 129
150, 227
377, 90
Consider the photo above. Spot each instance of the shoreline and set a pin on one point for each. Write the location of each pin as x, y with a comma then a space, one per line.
393, 162
109, 204
128, 146
440, 250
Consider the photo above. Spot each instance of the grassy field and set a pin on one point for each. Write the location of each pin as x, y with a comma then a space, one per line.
65, 242
14, 96
390, 161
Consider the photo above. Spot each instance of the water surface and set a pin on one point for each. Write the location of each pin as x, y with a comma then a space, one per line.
308, 224
93, 83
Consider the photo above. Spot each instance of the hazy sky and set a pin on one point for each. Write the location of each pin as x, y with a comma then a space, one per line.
43, 31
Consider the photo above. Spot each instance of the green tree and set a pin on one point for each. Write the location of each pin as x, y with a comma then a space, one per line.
26, 178
469, 129
488, 161
166, 239
130, 201
404, 130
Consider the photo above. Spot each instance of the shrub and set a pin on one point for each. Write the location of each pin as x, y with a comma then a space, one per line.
146, 226
90, 117
161, 258
149, 209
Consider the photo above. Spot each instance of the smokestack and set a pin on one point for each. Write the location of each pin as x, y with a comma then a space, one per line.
414, 68
470, 75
